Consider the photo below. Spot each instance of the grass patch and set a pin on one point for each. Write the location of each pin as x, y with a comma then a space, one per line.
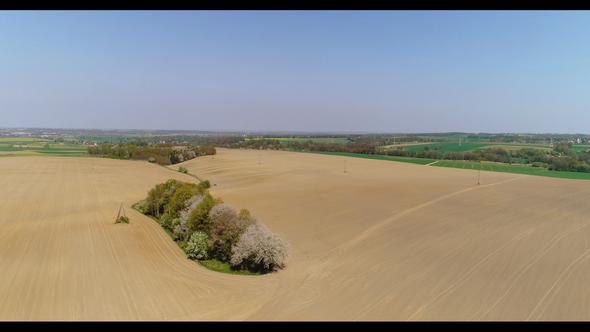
516, 169
79, 153
419, 161
580, 147
218, 266
448, 146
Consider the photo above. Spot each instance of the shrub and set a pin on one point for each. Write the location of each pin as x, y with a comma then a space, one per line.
197, 246
122, 219
141, 206
165, 219
152, 160
182, 170
206, 184
258, 248
180, 230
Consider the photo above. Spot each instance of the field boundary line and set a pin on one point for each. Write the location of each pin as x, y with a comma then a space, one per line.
187, 173
433, 163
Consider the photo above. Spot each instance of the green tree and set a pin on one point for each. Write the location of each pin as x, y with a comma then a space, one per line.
226, 227
197, 246
198, 219
177, 202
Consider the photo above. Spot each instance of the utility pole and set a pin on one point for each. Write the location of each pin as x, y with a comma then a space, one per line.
258, 159
344, 165
478, 176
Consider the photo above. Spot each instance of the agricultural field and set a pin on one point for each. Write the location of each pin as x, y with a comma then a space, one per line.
517, 169
35, 146
419, 161
580, 147
105, 139
337, 140
383, 241
285, 140
464, 146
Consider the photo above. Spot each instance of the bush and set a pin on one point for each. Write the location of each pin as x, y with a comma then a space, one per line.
122, 219
141, 206
152, 160
206, 184
258, 248
180, 230
540, 164
182, 170
197, 246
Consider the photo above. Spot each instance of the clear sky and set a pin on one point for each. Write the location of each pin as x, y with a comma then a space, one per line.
341, 71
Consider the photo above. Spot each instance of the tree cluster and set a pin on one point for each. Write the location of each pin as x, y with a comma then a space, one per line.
162, 153
206, 227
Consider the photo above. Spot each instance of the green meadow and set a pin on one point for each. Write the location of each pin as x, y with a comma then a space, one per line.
419, 161
517, 169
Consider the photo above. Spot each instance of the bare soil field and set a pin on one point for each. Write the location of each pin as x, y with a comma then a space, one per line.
383, 241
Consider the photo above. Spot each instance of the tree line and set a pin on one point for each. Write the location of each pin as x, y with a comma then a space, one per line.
560, 158
160, 153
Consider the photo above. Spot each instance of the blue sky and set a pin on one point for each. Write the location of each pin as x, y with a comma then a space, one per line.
333, 71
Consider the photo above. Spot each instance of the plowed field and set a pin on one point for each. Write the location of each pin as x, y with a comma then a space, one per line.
381, 241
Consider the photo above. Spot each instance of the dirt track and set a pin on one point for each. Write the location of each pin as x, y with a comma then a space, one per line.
384, 241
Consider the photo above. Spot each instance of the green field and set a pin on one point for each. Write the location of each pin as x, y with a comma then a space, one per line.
285, 140
36, 146
337, 140
580, 147
448, 146
103, 139
419, 161
517, 169
467, 146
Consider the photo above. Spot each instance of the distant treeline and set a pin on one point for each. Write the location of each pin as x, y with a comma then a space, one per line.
163, 154
560, 158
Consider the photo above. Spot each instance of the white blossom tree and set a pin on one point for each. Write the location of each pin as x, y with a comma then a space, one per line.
259, 248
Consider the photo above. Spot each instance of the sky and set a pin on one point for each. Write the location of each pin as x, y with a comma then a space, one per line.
316, 71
